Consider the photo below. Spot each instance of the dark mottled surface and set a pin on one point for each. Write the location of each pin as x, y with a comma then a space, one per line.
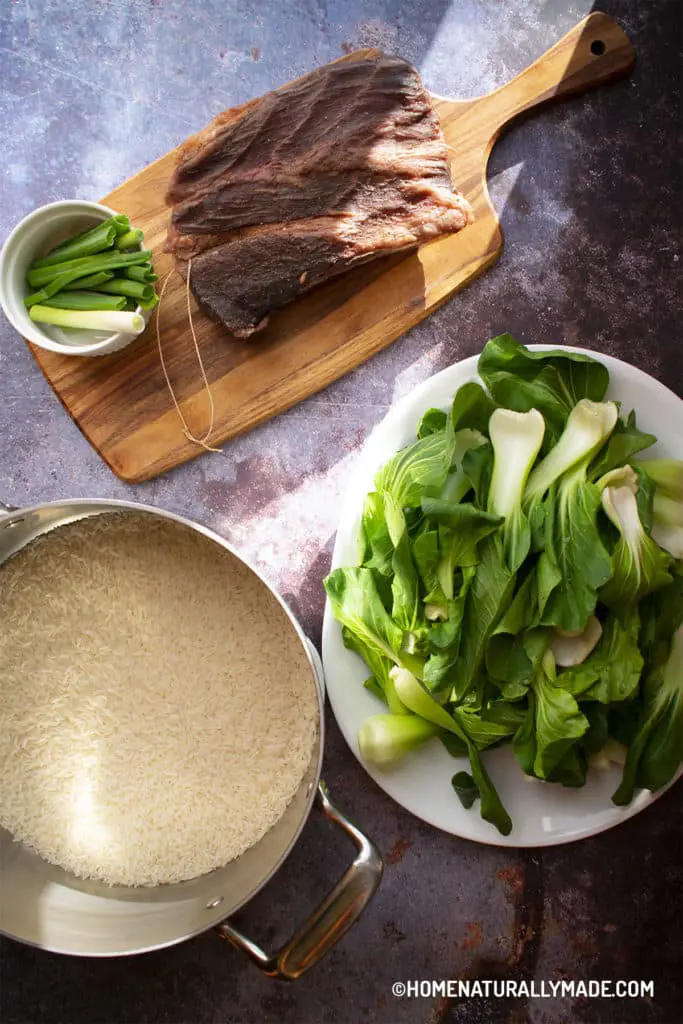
590, 199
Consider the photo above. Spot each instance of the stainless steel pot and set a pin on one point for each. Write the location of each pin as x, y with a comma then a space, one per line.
44, 906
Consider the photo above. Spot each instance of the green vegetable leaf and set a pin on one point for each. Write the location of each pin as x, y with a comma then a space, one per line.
557, 724
477, 466
444, 632
427, 555
445, 638
552, 382
624, 720
511, 714
438, 555
357, 606
513, 658
524, 742
472, 407
661, 613
487, 600
484, 732
645, 500
380, 682
415, 697
465, 789
657, 749
574, 563
377, 549
455, 745
373, 687
378, 663
467, 527
457, 482
626, 440
571, 769
405, 589
639, 565
433, 422
491, 807
597, 734
612, 672
418, 470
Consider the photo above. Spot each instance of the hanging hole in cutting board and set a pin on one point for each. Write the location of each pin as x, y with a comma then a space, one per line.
598, 47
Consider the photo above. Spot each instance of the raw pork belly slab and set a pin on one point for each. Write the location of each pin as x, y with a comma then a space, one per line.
274, 197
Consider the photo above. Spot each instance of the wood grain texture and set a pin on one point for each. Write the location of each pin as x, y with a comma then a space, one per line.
121, 402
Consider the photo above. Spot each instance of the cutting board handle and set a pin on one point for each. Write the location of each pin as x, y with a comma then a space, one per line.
596, 50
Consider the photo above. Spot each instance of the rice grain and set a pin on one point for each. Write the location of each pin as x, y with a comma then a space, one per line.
157, 711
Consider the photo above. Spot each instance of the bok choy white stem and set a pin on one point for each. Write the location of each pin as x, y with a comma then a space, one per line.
667, 524
516, 438
639, 566
589, 424
385, 739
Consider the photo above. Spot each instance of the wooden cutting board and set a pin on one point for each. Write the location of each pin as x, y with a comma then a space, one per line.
121, 402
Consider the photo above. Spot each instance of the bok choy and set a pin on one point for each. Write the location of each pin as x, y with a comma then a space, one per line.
520, 581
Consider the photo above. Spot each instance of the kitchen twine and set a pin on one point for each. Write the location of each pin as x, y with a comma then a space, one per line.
203, 442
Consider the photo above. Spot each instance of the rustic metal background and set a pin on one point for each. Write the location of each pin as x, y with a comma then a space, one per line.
589, 195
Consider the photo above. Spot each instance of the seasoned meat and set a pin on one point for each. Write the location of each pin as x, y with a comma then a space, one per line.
241, 281
346, 164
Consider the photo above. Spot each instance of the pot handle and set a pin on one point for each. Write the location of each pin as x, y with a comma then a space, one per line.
332, 918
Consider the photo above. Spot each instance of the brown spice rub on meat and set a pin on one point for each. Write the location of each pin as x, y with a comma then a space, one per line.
344, 165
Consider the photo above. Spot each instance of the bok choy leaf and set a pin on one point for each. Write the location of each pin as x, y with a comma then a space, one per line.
358, 607
552, 382
415, 697
554, 722
520, 581
656, 751
574, 563
639, 565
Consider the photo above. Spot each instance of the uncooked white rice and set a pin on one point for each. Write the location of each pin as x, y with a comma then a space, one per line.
157, 711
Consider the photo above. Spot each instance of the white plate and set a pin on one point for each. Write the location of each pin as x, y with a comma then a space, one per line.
542, 814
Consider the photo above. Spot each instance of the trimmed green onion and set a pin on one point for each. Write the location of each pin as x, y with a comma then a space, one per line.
134, 289
114, 321
130, 239
76, 280
92, 281
101, 237
149, 304
88, 265
87, 300
48, 291
144, 273
119, 222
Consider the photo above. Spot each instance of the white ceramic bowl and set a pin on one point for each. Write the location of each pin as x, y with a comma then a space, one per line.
32, 237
